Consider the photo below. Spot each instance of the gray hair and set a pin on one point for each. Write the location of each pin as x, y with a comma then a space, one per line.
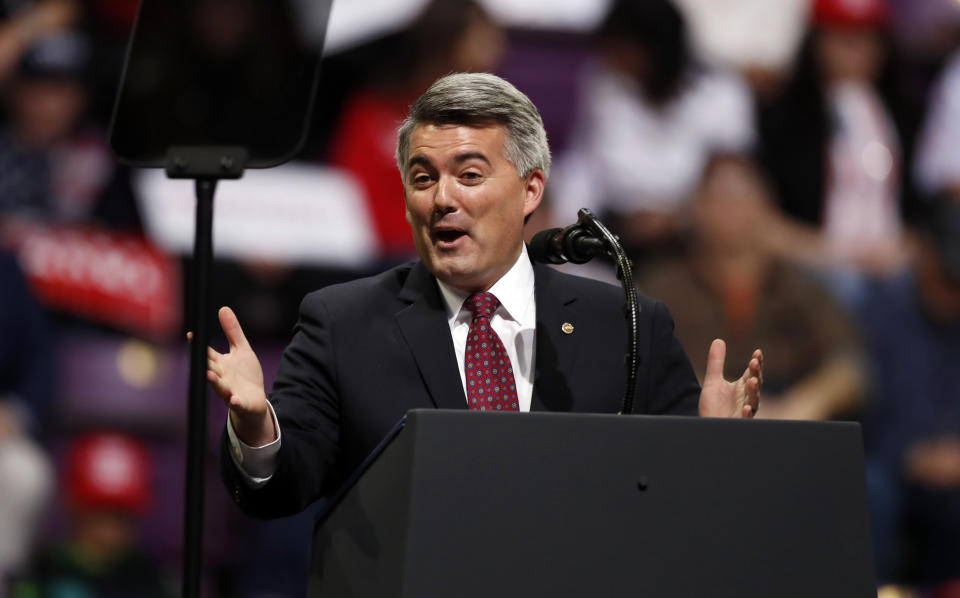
477, 99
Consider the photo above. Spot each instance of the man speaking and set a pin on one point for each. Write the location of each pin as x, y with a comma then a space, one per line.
472, 325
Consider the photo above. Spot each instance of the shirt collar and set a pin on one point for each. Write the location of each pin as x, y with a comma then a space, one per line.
513, 290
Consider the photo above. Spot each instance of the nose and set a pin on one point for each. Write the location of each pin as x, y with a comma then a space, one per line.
445, 198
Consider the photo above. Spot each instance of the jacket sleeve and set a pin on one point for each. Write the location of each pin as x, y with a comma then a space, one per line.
305, 398
671, 385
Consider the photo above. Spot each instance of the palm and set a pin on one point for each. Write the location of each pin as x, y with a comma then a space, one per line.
236, 376
242, 375
722, 398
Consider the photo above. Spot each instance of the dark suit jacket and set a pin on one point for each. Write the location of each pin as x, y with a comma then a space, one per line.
367, 351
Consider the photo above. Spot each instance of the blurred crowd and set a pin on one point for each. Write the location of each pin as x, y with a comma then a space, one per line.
784, 174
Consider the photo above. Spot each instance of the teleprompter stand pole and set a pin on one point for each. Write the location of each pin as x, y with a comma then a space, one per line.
206, 165
197, 403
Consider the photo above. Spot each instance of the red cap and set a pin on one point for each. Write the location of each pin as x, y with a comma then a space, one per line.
109, 471
851, 13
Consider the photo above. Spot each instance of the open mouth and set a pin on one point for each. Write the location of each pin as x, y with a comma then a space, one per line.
449, 236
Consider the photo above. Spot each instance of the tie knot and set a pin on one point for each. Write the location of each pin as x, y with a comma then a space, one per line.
482, 304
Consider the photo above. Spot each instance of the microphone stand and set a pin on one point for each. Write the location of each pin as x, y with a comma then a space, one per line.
631, 308
206, 165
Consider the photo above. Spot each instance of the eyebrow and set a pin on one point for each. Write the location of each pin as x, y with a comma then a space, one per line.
464, 157
459, 158
419, 160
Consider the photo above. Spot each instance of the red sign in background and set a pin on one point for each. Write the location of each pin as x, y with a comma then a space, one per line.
117, 279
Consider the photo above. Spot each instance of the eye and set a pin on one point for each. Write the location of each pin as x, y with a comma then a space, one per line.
421, 179
471, 177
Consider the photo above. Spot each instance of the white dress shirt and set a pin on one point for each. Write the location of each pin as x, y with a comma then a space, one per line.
514, 321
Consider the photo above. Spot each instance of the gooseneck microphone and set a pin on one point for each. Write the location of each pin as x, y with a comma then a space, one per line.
577, 244
574, 244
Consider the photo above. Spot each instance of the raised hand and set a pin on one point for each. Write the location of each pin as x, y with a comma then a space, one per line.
740, 398
51, 15
236, 376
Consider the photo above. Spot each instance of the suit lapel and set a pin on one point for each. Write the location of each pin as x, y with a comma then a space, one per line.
423, 324
556, 350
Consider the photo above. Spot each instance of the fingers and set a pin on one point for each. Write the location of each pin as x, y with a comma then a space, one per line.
754, 366
752, 380
213, 360
756, 381
752, 398
752, 370
231, 328
715, 359
219, 377
218, 385
222, 390
758, 357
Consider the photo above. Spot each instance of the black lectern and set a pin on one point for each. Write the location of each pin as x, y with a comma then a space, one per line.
494, 504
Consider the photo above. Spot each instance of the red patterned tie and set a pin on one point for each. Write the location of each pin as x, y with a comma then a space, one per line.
490, 382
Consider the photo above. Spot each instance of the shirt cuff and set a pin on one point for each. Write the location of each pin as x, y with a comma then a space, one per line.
256, 463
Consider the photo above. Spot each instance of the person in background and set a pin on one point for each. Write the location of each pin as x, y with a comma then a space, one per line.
938, 157
448, 36
26, 393
23, 22
912, 430
648, 121
757, 38
53, 167
836, 144
730, 285
107, 481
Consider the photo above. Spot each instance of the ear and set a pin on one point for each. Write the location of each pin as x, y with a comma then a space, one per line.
406, 208
533, 191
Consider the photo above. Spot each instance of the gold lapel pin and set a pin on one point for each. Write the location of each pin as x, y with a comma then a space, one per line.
567, 328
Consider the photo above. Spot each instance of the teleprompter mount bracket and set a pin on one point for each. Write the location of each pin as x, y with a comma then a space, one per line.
208, 162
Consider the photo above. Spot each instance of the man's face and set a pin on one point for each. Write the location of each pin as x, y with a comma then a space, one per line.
466, 203
45, 110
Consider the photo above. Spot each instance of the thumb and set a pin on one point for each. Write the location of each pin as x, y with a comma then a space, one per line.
715, 359
231, 327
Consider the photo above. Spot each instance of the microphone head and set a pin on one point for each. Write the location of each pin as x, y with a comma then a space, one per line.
545, 247
578, 245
